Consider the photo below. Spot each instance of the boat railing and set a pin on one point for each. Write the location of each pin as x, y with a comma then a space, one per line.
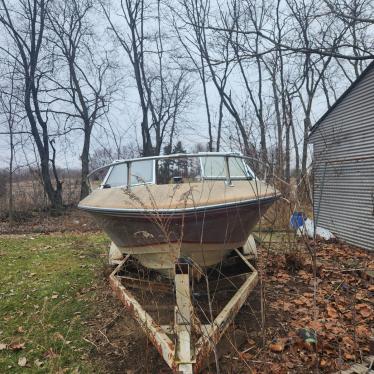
227, 177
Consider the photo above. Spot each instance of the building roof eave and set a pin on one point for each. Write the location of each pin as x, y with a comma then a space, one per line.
341, 98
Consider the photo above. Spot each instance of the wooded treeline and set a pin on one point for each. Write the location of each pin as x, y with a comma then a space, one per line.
135, 76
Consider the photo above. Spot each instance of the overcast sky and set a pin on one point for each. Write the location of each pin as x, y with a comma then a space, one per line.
124, 116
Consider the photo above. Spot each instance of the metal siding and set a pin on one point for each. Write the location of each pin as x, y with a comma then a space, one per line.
344, 167
344, 194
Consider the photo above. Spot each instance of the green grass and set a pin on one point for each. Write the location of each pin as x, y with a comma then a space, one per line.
47, 292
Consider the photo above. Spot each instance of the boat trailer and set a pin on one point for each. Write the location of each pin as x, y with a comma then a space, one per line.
174, 342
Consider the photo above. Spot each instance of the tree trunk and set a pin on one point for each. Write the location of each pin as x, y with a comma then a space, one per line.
280, 166
289, 127
10, 200
220, 120
146, 136
287, 175
58, 189
54, 195
264, 152
210, 144
297, 155
85, 188
303, 187
305, 145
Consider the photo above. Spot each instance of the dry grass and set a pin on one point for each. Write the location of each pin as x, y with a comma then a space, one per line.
29, 196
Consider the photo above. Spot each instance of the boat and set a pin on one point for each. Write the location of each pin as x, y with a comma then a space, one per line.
198, 207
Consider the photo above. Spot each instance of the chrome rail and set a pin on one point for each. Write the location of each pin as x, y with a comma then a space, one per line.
228, 178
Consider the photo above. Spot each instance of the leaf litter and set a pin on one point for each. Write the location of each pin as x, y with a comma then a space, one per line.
329, 332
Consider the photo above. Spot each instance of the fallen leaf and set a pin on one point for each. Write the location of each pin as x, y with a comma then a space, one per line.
277, 346
58, 336
275, 368
331, 311
246, 356
365, 311
54, 296
38, 363
303, 274
341, 308
328, 349
251, 342
348, 341
322, 363
316, 325
348, 357
20, 330
360, 306
50, 353
16, 346
287, 307
2, 346
337, 330
300, 301
62, 370
362, 331
22, 361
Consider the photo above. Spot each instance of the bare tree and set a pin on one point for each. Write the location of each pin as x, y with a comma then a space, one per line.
304, 16
87, 91
196, 13
357, 18
161, 93
283, 108
25, 24
199, 66
9, 106
256, 16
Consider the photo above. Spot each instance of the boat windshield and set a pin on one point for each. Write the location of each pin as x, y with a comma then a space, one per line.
215, 168
117, 176
141, 172
177, 169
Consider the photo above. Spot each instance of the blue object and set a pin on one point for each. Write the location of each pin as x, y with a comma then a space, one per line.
297, 220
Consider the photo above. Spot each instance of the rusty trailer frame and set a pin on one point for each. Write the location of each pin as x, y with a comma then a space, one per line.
179, 353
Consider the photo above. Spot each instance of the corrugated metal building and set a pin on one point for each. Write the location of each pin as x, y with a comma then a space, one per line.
343, 152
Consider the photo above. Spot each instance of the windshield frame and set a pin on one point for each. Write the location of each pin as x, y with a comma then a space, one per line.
201, 155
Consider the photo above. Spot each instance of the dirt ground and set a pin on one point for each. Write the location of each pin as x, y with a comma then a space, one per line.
294, 337
301, 324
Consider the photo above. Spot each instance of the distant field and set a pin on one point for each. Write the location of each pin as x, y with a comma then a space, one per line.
29, 195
